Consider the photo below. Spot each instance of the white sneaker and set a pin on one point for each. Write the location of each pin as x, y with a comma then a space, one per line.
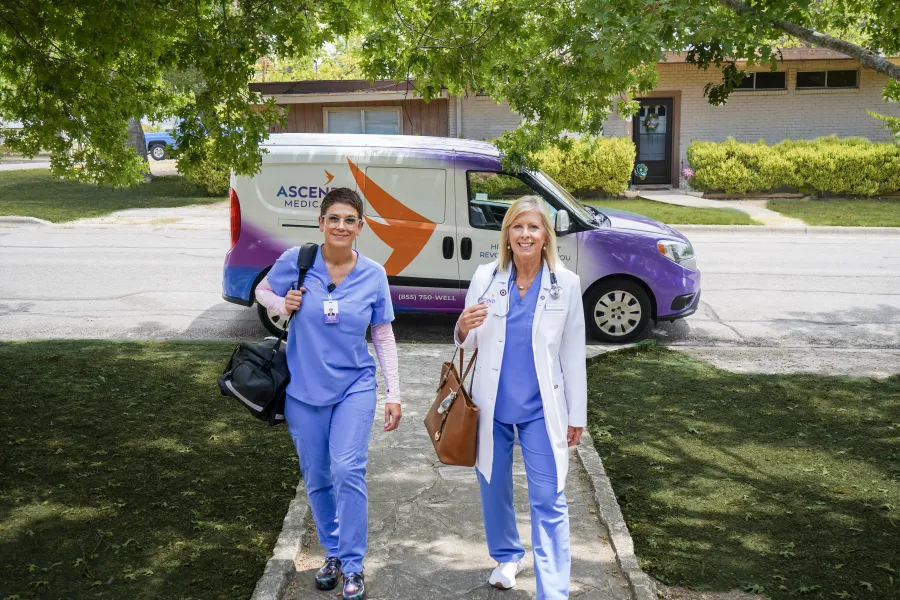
504, 575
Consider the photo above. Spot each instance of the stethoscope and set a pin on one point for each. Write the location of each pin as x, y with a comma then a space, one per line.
555, 291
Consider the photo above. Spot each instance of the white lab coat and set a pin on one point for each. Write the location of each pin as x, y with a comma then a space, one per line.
558, 339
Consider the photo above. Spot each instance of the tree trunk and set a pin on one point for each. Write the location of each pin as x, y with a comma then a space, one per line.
138, 142
865, 56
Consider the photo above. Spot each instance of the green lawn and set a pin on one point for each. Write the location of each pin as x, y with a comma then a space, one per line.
881, 212
124, 474
786, 485
670, 213
36, 193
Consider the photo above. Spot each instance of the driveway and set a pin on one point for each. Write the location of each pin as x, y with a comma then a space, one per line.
770, 302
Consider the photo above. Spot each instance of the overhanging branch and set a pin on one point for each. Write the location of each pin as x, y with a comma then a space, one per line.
866, 57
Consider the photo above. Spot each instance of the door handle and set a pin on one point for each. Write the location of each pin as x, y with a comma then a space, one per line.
465, 248
448, 247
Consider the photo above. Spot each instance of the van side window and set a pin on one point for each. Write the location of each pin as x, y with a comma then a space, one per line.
490, 196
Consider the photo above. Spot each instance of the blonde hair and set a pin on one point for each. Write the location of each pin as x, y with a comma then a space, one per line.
523, 205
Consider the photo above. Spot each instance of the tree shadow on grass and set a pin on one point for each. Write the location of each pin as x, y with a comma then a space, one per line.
125, 474
730, 480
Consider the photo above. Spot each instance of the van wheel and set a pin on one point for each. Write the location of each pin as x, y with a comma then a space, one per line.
158, 151
272, 321
617, 311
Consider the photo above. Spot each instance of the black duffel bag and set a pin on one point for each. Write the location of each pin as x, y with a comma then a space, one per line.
257, 374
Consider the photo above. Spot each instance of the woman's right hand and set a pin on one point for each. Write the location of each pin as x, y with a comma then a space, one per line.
471, 318
294, 299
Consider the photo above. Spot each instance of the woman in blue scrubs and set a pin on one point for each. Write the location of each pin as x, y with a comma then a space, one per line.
525, 317
330, 405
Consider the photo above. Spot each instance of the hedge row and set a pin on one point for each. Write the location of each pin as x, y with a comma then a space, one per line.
825, 166
601, 165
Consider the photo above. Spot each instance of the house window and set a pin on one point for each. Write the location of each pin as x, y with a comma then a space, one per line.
763, 80
385, 121
827, 79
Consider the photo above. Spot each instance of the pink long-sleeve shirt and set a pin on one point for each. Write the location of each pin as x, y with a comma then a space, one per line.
382, 338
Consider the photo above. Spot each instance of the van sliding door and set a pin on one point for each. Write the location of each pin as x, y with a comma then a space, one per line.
411, 227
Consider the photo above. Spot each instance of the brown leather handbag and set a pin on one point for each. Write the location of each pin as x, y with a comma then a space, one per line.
452, 420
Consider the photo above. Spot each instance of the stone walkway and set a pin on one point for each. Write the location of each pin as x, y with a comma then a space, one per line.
426, 539
755, 208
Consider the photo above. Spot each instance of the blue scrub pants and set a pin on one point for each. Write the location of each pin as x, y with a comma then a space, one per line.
333, 445
549, 511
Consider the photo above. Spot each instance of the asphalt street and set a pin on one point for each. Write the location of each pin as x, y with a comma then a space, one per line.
790, 302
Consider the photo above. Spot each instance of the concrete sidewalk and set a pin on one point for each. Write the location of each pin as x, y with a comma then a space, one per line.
426, 538
23, 165
755, 208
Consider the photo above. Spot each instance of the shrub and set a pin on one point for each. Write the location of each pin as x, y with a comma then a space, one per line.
828, 165
198, 166
600, 165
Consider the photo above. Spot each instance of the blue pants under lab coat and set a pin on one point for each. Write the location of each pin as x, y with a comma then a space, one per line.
549, 510
333, 445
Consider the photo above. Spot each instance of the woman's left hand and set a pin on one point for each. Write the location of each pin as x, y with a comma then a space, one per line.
392, 413
574, 435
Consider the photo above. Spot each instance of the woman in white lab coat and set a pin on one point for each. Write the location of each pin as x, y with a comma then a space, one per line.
525, 317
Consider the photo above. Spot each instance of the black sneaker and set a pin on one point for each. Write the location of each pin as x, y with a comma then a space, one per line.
327, 576
354, 587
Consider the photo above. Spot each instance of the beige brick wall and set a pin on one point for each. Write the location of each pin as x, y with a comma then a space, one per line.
485, 119
776, 115
747, 116
482, 118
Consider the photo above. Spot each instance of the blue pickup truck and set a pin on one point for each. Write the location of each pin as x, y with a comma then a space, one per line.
160, 144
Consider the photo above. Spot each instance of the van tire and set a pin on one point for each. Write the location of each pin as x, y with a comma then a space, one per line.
617, 311
273, 322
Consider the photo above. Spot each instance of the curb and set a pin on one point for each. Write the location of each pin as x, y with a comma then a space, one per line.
801, 231
274, 579
25, 221
641, 585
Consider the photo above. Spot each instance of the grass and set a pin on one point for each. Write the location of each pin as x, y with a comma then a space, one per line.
124, 474
784, 485
670, 213
36, 193
879, 212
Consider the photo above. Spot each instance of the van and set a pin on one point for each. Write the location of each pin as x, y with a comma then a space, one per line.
433, 210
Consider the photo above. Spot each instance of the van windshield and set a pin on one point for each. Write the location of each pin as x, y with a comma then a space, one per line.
565, 197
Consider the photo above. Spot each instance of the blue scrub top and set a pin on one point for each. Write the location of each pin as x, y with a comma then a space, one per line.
518, 394
330, 361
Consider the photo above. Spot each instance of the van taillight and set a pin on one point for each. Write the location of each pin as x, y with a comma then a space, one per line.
235, 217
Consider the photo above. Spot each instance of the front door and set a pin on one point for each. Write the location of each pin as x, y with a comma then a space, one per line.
652, 134
489, 195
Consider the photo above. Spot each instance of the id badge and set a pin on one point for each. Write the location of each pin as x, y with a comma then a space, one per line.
330, 308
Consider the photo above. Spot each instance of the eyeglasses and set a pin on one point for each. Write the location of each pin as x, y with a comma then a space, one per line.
335, 221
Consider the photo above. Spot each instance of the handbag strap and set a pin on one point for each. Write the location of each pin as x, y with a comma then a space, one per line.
465, 373
469, 367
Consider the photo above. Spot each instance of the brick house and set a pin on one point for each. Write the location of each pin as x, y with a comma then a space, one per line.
814, 92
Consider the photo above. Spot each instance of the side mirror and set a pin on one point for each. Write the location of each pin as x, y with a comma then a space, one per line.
562, 224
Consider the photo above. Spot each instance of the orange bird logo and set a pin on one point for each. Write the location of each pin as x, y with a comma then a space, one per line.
329, 176
406, 231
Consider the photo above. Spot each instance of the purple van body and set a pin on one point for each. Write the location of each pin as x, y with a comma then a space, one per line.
625, 246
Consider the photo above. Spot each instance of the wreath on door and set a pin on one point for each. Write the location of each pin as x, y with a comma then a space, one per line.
651, 122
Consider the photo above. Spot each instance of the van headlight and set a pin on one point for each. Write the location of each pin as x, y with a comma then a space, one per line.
678, 252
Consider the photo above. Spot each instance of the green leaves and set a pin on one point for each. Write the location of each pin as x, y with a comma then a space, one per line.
75, 73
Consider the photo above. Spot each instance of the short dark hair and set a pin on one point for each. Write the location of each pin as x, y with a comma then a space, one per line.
342, 195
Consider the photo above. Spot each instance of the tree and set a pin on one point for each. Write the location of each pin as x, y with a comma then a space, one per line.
336, 61
75, 72
565, 65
